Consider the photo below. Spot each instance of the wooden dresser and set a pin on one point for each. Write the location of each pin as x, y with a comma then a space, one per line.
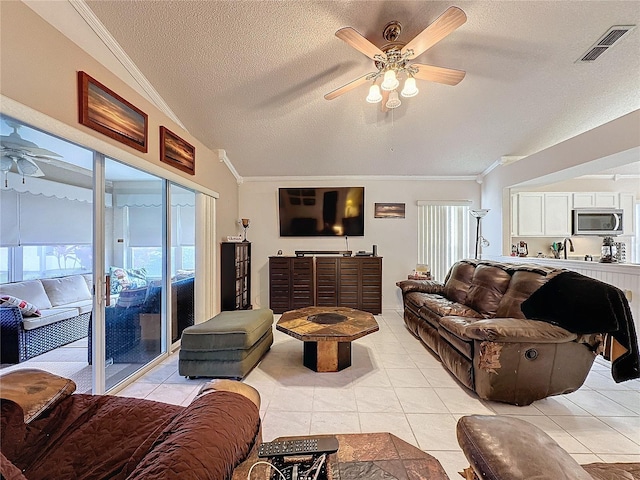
332, 281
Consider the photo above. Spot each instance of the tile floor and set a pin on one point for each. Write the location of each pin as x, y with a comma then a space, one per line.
396, 384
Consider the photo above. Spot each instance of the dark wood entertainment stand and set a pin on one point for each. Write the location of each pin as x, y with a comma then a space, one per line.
325, 281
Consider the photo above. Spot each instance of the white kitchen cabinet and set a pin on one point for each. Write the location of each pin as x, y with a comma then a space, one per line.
595, 200
531, 214
540, 214
584, 200
557, 214
606, 200
627, 203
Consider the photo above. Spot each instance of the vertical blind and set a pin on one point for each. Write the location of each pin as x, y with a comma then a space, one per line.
443, 235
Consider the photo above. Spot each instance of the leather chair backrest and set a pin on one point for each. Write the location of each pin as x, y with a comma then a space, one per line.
522, 285
488, 285
458, 281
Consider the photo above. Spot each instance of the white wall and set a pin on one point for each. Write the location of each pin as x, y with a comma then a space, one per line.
396, 238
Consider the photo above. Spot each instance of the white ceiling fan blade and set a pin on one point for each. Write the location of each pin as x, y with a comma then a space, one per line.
349, 86
28, 167
448, 76
446, 23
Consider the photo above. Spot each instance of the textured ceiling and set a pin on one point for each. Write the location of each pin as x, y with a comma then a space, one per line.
249, 77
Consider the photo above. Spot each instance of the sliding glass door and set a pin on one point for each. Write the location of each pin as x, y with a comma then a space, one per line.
136, 270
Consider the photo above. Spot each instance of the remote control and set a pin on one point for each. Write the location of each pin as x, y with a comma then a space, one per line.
306, 446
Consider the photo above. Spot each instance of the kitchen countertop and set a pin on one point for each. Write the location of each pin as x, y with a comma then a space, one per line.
573, 264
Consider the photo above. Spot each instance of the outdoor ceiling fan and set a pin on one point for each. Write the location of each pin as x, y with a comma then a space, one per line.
393, 60
15, 150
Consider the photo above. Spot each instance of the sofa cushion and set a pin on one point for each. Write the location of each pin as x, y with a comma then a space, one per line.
452, 330
456, 286
121, 278
65, 290
523, 284
31, 290
444, 307
508, 330
233, 330
49, 316
487, 288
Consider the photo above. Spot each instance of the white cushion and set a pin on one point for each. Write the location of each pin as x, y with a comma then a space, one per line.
50, 315
64, 290
32, 291
83, 306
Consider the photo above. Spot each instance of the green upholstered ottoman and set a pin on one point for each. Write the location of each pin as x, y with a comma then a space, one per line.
229, 345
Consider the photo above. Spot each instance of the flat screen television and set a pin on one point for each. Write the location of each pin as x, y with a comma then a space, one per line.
323, 211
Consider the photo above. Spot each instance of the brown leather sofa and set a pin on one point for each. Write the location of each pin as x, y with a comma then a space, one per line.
474, 323
46, 432
508, 448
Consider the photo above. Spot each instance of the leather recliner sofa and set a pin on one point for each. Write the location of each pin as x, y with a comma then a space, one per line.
474, 323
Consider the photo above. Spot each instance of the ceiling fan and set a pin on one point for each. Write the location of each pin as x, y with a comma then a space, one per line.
394, 60
15, 150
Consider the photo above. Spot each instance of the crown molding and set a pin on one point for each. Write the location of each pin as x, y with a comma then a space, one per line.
357, 178
610, 176
118, 52
222, 156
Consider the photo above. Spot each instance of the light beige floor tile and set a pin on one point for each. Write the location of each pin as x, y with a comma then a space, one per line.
292, 399
434, 431
559, 405
376, 399
628, 426
584, 458
440, 377
597, 436
507, 409
420, 400
172, 393
281, 423
407, 377
334, 400
334, 422
392, 360
453, 462
374, 378
159, 374
395, 423
629, 399
181, 379
138, 390
613, 458
463, 401
597, 380
597, 404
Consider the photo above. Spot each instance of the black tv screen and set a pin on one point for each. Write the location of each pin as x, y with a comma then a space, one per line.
324, 211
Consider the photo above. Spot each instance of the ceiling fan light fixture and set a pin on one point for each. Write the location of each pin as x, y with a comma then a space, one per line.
394, 101
28, 167
6, 163
374, 94
409, 89
390, 81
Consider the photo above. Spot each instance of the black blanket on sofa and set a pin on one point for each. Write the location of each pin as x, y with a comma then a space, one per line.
582, 304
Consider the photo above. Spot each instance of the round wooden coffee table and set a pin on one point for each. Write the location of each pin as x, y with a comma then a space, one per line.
327, 333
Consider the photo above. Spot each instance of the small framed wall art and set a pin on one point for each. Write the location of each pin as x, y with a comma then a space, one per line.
104, 111
389, 210
177, 152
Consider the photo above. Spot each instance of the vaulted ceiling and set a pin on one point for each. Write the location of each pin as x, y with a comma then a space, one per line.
249, 77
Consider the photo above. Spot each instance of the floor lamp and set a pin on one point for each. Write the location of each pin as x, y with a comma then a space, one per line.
479, 215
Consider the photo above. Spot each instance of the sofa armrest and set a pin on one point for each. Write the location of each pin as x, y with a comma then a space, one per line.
222, 385
507, 448
507, 330
11, 330
423, 286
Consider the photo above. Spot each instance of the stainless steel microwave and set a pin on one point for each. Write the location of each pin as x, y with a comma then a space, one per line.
597, 221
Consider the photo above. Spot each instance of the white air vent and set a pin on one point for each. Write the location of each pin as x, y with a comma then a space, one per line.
605, 42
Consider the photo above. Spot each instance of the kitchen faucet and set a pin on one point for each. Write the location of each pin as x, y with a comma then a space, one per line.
564, 246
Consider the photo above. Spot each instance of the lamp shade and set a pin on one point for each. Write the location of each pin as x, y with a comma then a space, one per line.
390, 81
410, 89
394, 101
374, 94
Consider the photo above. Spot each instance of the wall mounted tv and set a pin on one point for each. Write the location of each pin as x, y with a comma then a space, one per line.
323, 211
